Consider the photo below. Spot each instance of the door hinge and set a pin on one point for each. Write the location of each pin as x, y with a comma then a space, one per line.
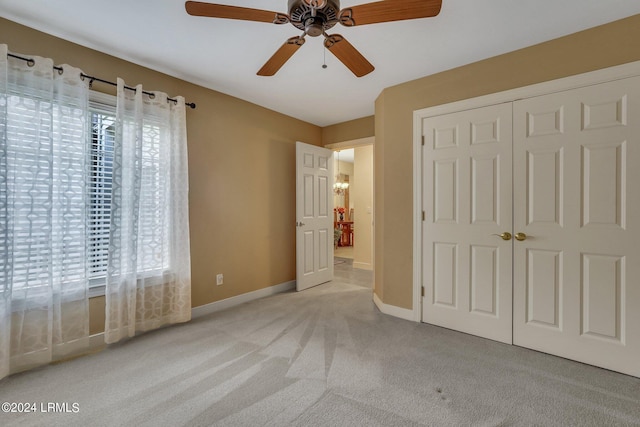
423, 140
422, 290
423, 216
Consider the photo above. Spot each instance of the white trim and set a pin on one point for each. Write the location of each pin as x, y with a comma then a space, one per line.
417, 218
363, 265
213, 307
369, 140
96, 341
618, 72
392, 310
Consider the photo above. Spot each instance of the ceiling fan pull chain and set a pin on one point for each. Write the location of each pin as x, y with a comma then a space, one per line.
324, 57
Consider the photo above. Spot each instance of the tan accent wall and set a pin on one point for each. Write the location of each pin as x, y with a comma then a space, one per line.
348, 131
600, 47
241, 173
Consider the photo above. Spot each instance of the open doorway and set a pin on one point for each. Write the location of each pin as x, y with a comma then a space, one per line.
343, 205
353, 203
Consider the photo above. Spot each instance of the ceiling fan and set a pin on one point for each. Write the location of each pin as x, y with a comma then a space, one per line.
315, 18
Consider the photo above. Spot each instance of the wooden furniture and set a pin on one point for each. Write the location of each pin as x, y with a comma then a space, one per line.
346, 239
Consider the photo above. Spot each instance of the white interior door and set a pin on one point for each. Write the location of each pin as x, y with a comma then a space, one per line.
577, 274
314, 215
467, 266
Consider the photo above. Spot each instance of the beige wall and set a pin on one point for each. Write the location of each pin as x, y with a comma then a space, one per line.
363, 207
348, 131
241, 173
600, 47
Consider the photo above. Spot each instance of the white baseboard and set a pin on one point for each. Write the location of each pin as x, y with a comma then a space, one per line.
213, 307
363, 265
392, 310
96, 340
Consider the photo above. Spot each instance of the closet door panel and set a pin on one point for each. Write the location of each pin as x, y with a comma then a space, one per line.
467, 201
577, 272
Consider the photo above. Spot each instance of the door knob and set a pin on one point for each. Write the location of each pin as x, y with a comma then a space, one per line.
520, 237
504, 236
299, 224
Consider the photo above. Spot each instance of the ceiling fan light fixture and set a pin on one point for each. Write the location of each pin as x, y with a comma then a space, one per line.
314, 26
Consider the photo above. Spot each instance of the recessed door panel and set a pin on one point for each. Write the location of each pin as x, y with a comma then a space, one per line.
308, 196
323, 197
484, 280
444, 273
603, 286
485, 190
445, 191
545, 121
323, 253
309, 246
604, 183
604, 113
485, 132
543, 287
445, 137
544, 190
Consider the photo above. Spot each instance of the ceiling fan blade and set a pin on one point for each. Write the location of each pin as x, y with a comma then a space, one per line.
389, 10
348, 55
196, 8
281, 56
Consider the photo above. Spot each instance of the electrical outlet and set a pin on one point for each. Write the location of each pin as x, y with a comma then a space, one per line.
219, 279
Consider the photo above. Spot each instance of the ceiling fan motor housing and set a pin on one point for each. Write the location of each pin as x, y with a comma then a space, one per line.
302, 15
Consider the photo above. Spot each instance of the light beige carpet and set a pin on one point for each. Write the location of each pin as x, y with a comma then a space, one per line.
322, 357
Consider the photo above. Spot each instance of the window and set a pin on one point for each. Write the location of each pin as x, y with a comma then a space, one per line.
100, 185
153, 221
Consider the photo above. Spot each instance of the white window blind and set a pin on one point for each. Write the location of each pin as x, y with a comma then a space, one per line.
100, 185
153, 221
46, 227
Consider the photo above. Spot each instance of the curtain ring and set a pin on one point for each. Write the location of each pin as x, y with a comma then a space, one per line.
152, 95
60, 70
31, 62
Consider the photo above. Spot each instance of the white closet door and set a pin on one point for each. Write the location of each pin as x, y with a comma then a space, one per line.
467, 201
577, 274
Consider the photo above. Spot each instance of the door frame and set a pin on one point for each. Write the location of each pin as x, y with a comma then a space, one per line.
631, 69
361, 142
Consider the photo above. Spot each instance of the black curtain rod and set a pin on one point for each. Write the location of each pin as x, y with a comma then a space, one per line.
92, 79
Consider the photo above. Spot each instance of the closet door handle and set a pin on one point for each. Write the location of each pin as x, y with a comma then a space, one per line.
504, 236
520, 237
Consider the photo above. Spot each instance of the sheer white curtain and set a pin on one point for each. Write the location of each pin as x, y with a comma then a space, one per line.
44, 311
149, 271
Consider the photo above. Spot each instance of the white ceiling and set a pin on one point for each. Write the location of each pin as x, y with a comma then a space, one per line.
225, 55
